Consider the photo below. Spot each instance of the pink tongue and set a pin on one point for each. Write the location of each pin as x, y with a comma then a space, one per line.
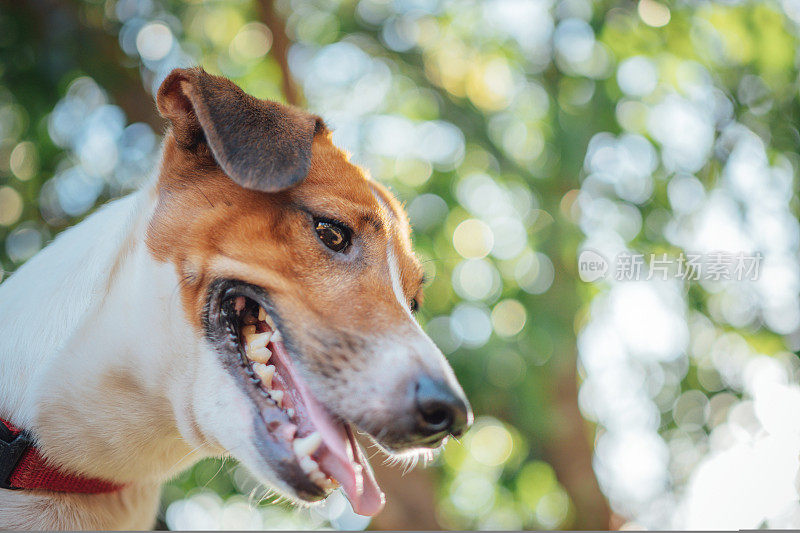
343, 460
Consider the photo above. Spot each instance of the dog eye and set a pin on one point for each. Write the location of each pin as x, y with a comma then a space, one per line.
414, 305
334, 236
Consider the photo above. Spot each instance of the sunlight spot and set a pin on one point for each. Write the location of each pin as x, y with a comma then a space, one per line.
473, 239
508, 318
654, 13
10, 206
154, 41
491, 445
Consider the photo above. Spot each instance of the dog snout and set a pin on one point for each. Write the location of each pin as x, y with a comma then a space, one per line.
409, 397
440, 409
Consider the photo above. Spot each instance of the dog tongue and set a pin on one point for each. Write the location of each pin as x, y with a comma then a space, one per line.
341, 457
355, 475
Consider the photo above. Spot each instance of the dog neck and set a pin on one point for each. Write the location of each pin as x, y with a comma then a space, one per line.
98, 340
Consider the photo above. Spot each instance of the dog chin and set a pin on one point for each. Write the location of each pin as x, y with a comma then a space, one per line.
263, 470
225, 421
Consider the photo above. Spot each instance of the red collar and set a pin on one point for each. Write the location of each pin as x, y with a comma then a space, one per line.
23, 467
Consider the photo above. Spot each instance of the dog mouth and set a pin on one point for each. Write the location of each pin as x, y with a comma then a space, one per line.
310, 449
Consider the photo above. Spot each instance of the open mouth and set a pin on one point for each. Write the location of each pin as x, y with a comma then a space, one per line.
309, 448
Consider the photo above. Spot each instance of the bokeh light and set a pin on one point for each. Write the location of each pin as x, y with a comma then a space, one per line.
517, 134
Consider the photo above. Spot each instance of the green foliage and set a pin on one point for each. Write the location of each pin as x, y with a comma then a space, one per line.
500, 211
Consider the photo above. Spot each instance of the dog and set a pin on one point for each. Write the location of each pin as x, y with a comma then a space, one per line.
255, 299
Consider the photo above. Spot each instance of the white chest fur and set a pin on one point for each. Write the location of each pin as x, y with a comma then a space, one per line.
93, 351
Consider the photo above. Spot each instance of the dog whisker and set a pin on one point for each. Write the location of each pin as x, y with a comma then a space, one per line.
221, 466
410, 465
266, 494
190, 452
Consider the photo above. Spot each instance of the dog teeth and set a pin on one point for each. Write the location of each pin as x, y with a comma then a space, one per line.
264, 373
248, 330
257, 339
287, 431
277, 396
290, 412
307, 445
322, 480
308, 464
311, 469
263, 316
303, 449
259, 354
276, 336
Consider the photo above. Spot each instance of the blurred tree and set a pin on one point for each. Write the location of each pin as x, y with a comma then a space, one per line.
518, 133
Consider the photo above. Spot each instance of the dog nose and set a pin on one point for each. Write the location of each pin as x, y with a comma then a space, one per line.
441, 411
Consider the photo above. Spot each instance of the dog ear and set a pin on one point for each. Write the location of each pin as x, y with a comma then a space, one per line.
259, 144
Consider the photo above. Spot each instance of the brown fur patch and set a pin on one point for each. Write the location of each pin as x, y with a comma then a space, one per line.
211, 228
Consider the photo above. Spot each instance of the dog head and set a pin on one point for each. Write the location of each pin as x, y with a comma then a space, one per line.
298, 277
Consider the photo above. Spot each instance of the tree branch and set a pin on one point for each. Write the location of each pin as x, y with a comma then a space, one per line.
280, 48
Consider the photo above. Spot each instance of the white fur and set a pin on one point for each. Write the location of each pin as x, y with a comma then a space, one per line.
98, 359
417, 344
394, 275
